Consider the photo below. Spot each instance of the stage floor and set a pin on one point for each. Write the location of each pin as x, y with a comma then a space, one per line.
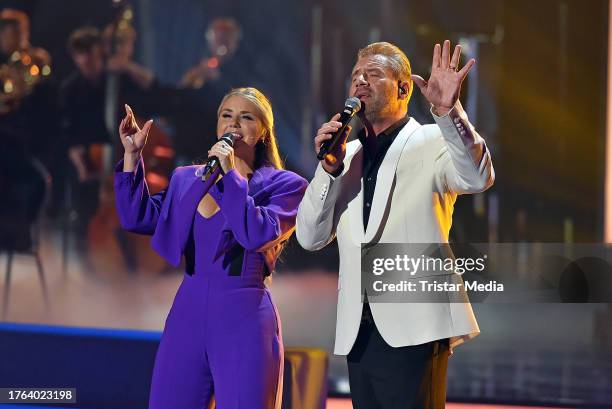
114, 298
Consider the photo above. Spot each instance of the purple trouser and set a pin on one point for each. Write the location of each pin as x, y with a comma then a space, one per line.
222, 336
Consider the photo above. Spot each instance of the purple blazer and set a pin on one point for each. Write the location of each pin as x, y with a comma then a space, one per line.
259, 213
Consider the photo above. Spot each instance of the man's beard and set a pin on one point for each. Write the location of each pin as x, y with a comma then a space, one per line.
372, 109
376, 108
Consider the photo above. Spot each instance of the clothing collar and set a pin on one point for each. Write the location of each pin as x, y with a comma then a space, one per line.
388, 135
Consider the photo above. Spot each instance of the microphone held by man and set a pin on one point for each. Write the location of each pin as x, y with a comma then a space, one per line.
337, 131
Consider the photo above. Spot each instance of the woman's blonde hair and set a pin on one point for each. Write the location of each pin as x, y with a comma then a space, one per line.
266, 150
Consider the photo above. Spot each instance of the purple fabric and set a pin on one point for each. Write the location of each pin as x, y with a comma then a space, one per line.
260, 213
223, 333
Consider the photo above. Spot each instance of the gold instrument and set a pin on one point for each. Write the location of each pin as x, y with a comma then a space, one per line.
20, 74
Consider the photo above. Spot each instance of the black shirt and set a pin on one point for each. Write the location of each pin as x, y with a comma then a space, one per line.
83, 105
374, 152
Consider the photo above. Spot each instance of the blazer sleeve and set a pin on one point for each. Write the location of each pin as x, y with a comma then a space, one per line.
138, 210
315, 227
260, 227
463, 164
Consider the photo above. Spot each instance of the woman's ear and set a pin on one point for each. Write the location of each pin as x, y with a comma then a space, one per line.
264, 138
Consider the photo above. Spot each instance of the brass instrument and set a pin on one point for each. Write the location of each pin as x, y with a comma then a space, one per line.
20, 74
222, 37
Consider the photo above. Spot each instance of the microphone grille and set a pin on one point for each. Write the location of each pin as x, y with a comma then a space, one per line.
228, 138
354, 103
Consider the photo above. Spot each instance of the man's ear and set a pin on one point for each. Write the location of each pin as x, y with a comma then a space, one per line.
403, 89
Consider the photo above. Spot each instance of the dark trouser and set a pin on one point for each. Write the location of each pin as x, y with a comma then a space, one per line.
383, 377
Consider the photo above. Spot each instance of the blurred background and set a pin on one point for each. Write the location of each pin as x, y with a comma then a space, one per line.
538, 95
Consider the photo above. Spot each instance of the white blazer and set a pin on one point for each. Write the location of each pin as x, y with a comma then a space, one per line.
424, 170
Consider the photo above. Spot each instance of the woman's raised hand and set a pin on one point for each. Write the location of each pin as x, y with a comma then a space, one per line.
132, 137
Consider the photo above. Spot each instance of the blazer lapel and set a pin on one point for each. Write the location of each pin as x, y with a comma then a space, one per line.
385, 179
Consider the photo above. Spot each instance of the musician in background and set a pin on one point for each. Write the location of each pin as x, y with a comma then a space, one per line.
85, 102
28, 97
119, 47
18, 39
27, 104
222, 37
23, 26
12, 125
203, 85
82, 100
13, 157
22, 66
9, 38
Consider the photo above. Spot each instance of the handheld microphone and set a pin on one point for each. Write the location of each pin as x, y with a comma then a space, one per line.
213, 163
351, 106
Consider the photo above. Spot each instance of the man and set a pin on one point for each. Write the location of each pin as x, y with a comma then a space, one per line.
27, 124
119, 47
204, 85
396, 184
90, 100
22, 66
222, 38
9, 38
82, 100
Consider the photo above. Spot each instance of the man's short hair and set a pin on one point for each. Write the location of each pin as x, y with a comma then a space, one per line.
397, 60
83, 40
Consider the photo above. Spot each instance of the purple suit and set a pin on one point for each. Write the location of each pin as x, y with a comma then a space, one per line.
222, 335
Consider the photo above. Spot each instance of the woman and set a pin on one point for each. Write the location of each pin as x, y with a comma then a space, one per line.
222, 335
